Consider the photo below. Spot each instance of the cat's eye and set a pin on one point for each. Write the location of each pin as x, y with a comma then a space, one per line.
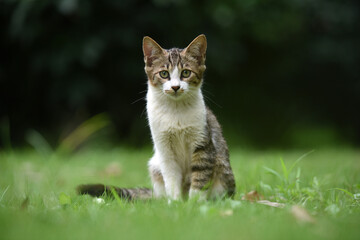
164, 74
185, 73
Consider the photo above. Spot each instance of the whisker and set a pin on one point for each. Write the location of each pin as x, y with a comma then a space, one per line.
208, 92
212, 101
142, 98
143, 111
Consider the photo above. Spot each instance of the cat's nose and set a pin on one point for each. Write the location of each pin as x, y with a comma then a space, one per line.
175, 88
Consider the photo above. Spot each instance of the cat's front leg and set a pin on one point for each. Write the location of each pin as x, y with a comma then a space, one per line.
156, 177
202, 172
172, 176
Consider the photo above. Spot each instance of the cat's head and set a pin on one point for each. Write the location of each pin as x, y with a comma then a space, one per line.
175, 72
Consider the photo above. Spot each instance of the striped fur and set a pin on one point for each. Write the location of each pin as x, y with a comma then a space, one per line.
98, 190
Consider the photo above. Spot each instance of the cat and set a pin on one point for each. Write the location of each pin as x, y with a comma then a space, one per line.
191, 157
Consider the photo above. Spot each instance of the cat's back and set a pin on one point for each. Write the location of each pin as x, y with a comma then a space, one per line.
215, 136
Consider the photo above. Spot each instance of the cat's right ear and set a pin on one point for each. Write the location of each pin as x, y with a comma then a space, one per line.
151, 50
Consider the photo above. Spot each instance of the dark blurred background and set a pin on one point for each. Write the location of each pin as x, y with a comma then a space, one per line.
280, 73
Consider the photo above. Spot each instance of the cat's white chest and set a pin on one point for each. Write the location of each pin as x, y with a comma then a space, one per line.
176, 128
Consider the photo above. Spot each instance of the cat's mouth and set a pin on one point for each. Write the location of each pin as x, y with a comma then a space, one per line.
175, 94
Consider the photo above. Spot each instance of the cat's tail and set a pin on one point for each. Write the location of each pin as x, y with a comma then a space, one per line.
97, 190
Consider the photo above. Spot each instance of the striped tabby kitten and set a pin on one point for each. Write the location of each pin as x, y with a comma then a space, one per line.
191, 156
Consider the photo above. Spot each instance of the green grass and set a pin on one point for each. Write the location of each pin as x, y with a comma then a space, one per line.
38, 199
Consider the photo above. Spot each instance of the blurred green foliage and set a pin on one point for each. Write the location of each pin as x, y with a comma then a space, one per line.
275, 68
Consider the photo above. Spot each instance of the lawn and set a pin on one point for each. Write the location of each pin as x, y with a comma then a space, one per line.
38, 198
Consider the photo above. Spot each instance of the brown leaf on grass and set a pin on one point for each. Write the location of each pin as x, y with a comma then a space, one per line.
301, 214
226, 213
113, 169
252, 196
24, 205
271, 204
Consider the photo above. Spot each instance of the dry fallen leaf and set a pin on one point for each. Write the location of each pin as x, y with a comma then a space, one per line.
226, 213
301, 214
252, 196
24, 205
271, 204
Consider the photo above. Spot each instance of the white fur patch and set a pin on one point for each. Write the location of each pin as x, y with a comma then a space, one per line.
176, 81
175, 77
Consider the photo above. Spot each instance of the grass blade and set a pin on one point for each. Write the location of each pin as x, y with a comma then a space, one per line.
345, 191
273, 172
39, 143
299, 159
83, 132
297, 181
285, 172
117, 198
2, 196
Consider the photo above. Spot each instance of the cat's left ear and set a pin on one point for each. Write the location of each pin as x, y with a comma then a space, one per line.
197, 49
